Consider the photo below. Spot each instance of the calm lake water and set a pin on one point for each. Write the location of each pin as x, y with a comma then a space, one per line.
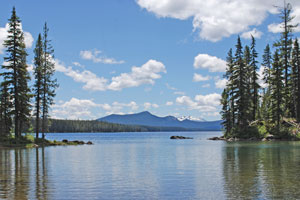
151, 166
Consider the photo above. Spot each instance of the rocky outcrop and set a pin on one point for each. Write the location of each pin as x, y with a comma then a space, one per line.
180, 137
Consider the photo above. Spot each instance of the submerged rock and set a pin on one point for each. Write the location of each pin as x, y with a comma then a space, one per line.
180, 137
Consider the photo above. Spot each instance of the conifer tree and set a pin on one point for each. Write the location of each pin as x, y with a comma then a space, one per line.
240, 81
253, 80
296, 79
15, 73
276, 85
285, 47
230, 87
267, 63
49, 84
5, 111
225, 113
38, 62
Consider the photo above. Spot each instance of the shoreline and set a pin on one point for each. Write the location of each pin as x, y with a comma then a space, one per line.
254, 139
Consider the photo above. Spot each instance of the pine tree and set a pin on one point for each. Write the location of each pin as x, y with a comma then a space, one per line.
276, 86
285, 47
295, 79
240, 81
267, 63
225, 113
49, 84
5, 111
230, 87
38, 62
15, 73
253, 80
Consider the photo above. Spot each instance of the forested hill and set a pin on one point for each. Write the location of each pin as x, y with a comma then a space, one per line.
92, 126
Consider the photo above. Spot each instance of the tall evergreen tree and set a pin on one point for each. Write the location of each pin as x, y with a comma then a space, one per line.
15, 73
296, 79
276, 85
240, 81
38, 74
254, 78
49, 84
285, 47
267, 63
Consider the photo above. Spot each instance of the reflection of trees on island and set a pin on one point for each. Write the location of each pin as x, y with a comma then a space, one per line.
22, 176
259, 171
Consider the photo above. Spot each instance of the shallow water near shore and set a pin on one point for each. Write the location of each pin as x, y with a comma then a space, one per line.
151, 166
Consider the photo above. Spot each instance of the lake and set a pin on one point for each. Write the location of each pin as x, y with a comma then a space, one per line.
151, 166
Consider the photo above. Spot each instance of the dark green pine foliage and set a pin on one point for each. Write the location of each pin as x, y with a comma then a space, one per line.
49, 84
248, 69
15, 73
254, 81
285, 47
5, 111
37, 89
240, 81
230, 88
296, 79
277, 93
267, 63
226, 113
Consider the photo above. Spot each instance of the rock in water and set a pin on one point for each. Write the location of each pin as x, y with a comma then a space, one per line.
179, 137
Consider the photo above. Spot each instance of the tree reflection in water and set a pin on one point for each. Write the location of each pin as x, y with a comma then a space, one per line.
21, 175
261, 170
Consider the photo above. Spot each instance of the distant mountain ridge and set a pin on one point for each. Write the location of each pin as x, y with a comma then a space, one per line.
147, 119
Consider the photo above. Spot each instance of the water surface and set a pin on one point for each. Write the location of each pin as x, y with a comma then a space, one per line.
151, 166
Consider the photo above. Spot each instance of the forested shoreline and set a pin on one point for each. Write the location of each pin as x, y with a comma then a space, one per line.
252, 111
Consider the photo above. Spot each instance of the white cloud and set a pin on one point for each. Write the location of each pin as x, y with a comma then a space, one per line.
148, 105
206, 85
170, 87
179, 93
146, 74
277, 28
202, 103
91, 80
95, 56
199, 77
78, 64
220, 83
74, 109
28, 39
169, 103
88, 109
212, 63
215, 19
254, 32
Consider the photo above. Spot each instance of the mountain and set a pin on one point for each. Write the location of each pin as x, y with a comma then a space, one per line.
147, 119
182, 118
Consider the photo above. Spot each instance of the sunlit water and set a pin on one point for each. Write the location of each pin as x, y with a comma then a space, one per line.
151, 166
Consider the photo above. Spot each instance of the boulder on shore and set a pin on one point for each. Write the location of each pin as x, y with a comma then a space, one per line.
89, 143
180, 137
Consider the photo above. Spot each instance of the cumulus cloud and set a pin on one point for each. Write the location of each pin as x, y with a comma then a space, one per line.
261, 82
212, 63
254, 32
220, 83
28, 39
97, 57
146, 74
148, 105
169, 103
88, 109
202, 103
199, 77
215, 19
91, 81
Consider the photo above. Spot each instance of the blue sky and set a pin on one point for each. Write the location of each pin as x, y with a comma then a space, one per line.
127, 56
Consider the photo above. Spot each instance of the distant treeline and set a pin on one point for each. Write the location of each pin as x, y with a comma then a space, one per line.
93, 126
